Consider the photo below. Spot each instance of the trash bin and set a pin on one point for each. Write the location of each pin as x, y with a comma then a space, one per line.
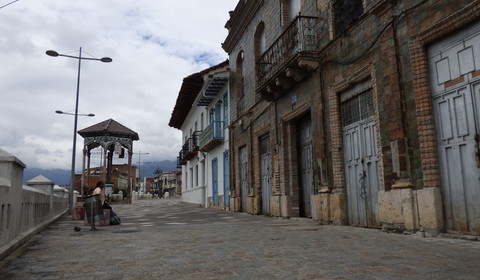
93, 208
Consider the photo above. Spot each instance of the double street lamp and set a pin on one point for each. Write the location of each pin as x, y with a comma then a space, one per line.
80, 58
139, 169
80, 115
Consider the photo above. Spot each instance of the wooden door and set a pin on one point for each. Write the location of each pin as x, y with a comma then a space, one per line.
361, 161
454, 64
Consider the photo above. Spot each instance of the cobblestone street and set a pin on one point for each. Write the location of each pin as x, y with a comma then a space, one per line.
168, 239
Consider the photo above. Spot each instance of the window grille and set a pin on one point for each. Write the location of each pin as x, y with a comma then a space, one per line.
357, 108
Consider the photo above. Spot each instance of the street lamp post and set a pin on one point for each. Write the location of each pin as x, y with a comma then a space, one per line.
139, 168
72, 172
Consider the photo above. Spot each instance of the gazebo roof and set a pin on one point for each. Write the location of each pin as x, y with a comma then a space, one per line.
109, 127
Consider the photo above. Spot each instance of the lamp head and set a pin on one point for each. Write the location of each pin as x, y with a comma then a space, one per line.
52, 53
106, 59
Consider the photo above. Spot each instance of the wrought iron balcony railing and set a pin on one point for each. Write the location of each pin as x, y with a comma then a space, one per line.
212, 136
189, 149
300, 36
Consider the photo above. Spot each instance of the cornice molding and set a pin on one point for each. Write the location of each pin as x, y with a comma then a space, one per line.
239, 21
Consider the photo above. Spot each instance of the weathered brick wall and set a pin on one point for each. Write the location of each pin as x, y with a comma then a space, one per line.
433, 21
386, 45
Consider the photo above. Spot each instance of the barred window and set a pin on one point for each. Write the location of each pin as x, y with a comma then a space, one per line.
357, 108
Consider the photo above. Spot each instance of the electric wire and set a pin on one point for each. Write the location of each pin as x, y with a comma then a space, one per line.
377, 37
8, 4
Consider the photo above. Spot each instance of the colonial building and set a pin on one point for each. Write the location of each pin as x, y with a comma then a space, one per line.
202, 113
165, 183
357, 112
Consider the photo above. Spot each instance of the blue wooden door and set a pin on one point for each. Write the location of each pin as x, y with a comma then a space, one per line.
215, 181
226, 180
244, 177
265, 174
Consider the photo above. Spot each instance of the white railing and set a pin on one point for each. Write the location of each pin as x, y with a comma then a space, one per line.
24, 211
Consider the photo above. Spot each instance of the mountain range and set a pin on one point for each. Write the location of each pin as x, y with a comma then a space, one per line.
62, 176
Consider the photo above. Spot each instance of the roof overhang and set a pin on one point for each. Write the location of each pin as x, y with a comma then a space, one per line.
212, 88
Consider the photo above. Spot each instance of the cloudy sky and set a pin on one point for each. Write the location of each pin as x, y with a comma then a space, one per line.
153, 44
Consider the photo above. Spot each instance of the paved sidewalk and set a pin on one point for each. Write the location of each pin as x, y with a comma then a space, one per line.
168, 239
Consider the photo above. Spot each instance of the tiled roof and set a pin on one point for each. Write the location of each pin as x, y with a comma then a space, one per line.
189, 91
109, 127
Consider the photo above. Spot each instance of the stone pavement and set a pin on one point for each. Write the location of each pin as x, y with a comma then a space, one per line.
168, 239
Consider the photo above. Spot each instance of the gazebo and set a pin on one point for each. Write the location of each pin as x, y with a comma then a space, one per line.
112, 137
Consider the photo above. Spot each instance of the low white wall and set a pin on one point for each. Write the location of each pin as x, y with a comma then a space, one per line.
195, 195
24, 211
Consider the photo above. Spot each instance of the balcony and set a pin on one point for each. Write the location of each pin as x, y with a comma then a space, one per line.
290, 59
212, 136
189, 149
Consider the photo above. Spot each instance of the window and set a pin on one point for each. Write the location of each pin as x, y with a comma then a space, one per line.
240, 85
294, 9
346, 11
211, 116
290, 9
260, 45
357, 108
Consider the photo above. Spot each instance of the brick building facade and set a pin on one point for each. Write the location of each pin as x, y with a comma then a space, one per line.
343, 111
118, 178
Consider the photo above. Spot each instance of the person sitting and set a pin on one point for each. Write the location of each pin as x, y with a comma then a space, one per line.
100, 189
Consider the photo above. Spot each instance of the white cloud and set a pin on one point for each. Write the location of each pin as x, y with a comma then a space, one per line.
153, 44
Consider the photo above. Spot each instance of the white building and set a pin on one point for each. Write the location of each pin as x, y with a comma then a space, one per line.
202, 114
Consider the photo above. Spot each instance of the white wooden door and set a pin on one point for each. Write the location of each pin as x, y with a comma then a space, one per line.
454, 62
361, 161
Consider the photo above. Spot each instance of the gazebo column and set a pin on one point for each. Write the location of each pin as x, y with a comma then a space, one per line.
89, 154
104, 172
109, 164
130, 175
